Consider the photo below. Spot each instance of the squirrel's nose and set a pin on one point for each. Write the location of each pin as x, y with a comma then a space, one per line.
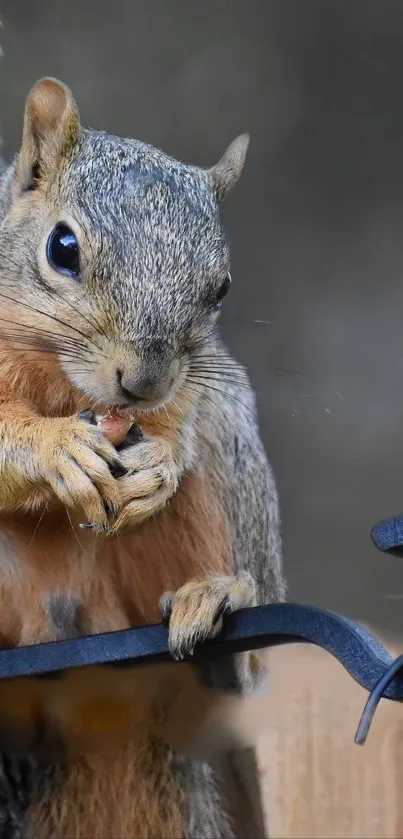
138, 389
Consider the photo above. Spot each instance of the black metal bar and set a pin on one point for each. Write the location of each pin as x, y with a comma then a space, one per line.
365, 659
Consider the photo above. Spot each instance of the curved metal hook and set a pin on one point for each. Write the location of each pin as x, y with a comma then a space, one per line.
374, 698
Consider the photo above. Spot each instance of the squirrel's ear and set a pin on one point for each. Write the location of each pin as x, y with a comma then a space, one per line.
225, 174
51, 129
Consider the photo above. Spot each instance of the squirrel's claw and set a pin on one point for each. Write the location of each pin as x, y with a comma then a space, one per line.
195, 612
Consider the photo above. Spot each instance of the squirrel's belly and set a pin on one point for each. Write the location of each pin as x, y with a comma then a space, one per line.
59, 582
116, 582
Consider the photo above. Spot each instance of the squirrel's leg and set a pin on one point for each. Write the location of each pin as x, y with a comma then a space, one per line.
43, 458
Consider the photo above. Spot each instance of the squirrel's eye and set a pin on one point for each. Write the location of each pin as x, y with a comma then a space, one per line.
62, 251
223, 291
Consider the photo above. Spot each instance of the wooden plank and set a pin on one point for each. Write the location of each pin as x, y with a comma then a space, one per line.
315, 781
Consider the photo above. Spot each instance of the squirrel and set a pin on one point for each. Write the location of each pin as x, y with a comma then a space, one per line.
114, 265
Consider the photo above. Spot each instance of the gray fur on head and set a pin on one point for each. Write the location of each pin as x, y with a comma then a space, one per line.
160, 253
153, 252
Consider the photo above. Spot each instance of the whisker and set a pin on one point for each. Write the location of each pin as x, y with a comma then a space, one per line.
35, 338
222, 359
56, 293
221, 379
37, 526
199, 392
25, 328
218, 350
91, 320
51, 317
7, 258
22, 344
178, 407
40, 350
217, 370
214, 356
72, 527
167, 414
217, 359
190, 390
26, 346
202, 392
229, 396
96, 404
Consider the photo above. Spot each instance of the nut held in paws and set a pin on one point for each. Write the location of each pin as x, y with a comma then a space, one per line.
115, 426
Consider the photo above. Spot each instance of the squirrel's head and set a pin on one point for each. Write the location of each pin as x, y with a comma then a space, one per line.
112, 254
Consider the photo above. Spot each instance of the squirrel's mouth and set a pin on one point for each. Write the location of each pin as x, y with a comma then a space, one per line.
126, 410
139, 405
136, 405
105, 392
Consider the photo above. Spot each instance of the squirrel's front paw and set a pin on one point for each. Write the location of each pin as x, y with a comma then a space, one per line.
81, 467
152, 479
196, 611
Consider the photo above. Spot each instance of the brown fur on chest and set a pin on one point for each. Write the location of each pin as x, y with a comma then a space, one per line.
117, 580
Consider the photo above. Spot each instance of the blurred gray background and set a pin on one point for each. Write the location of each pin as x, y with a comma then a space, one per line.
316, 227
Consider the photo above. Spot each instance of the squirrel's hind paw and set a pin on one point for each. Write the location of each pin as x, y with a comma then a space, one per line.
195, 612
